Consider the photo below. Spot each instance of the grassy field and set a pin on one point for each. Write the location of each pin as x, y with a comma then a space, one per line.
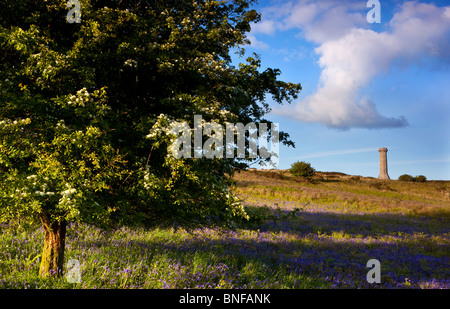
317, 234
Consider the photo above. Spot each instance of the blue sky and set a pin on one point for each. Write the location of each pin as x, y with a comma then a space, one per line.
365, 85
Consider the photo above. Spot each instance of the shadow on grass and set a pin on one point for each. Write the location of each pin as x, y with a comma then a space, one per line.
354, 224
285, 249
339, 263
316, 250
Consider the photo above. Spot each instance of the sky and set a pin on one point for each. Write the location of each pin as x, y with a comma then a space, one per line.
365, 85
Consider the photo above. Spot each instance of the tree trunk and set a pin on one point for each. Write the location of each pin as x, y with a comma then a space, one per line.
52, 262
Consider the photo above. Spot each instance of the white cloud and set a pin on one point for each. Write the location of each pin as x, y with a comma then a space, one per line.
266, 27
255, 43
348, 64
318, 21
351, 55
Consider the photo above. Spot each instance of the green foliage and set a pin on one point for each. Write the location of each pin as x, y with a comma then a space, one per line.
302, 169
80, 105
405, 177
420, 178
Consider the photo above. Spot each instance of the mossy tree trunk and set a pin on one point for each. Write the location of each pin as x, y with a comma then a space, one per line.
54, 243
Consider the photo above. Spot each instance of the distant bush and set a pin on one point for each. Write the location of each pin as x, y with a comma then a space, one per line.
302, 169
420, 178
406, 177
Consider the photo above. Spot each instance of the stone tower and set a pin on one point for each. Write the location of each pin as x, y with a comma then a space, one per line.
383, 164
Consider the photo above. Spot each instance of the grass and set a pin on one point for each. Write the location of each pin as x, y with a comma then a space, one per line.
301, 234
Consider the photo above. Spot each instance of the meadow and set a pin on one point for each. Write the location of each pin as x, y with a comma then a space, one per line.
301, 234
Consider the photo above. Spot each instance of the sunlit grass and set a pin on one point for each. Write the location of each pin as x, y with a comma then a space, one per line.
300, 235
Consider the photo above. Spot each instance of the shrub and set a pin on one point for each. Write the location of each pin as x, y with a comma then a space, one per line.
406, 177
303, 169
420, 178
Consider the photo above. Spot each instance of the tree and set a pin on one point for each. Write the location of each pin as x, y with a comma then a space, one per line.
405, 177
303, 169
420, 178
85, 110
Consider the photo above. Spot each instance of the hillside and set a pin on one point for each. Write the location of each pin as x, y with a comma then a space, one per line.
355, 192
300, 234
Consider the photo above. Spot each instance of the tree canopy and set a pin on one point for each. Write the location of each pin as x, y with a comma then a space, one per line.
84, 108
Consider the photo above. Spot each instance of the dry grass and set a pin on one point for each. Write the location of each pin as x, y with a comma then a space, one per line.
357, 192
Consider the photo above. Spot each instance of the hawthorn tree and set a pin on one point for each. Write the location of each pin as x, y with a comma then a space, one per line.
85, 107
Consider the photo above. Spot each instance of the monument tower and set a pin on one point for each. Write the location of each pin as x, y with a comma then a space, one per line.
383, 164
